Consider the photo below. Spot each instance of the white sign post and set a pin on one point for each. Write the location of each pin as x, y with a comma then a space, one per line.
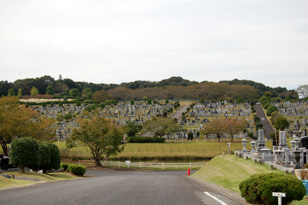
128, 163
229, 144
279, 195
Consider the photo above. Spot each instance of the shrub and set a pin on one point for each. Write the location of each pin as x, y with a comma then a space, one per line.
25, 153
190, 136
258, 188
65, 166
270, 109
259, 125
265, 105
55, 158
45, 157
256, 118
78, 170
146, 140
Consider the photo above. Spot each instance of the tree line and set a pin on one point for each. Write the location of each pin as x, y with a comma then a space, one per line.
172, 88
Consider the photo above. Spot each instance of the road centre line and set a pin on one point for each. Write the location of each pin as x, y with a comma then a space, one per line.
218, 200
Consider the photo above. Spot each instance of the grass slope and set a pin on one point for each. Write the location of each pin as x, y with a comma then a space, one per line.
29, 178
228, 171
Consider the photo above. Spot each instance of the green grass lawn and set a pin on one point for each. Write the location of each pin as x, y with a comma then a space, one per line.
168, 151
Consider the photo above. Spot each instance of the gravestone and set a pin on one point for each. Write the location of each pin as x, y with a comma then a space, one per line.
261, 142
304, 142
283, 139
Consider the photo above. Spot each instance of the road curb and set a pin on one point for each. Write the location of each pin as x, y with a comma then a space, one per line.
226, 192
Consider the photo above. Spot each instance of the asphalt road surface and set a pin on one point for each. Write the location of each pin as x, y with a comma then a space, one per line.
178, 113
118, 187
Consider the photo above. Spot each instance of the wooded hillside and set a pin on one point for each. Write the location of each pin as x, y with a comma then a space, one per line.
172, 88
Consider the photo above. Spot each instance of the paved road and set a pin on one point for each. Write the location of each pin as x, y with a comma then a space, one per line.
178, 113
267, 127
118, 187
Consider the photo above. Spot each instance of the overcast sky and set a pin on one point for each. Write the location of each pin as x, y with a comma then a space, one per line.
111, 41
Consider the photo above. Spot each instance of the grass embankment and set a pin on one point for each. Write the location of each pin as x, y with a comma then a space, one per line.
228, 171
168, 151
30, 178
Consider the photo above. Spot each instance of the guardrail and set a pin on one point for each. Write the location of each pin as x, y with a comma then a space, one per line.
162, 165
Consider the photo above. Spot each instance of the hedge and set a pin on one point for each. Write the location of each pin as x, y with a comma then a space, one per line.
64, 166
78, 170
146, 140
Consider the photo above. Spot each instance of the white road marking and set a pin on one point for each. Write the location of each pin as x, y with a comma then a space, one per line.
218, 200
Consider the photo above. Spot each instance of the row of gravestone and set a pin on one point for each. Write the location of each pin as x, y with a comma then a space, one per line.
124, 112
293, 109
207, 110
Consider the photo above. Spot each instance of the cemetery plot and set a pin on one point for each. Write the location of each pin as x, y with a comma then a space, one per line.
139, 112
202, 113
297, 115
121, 114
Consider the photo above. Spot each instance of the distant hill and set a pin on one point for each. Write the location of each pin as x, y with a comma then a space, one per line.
173, 81
261, 88
171, 88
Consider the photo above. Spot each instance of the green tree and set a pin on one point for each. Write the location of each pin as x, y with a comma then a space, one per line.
25, 153
270, 109
161, 126
281, 123
74, 92
11, 92
87, 93
19, 92
34, 91
50, 90
132, 129
100, 135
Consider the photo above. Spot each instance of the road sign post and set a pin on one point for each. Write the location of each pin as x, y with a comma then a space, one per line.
279, 195
128, 163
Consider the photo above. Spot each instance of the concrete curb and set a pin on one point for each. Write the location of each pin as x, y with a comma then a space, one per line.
228, 193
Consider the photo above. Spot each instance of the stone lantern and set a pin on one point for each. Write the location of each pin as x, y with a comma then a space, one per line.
253, 145
297, 156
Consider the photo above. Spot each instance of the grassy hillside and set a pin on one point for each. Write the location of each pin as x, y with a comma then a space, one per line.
228, 171
29, 178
